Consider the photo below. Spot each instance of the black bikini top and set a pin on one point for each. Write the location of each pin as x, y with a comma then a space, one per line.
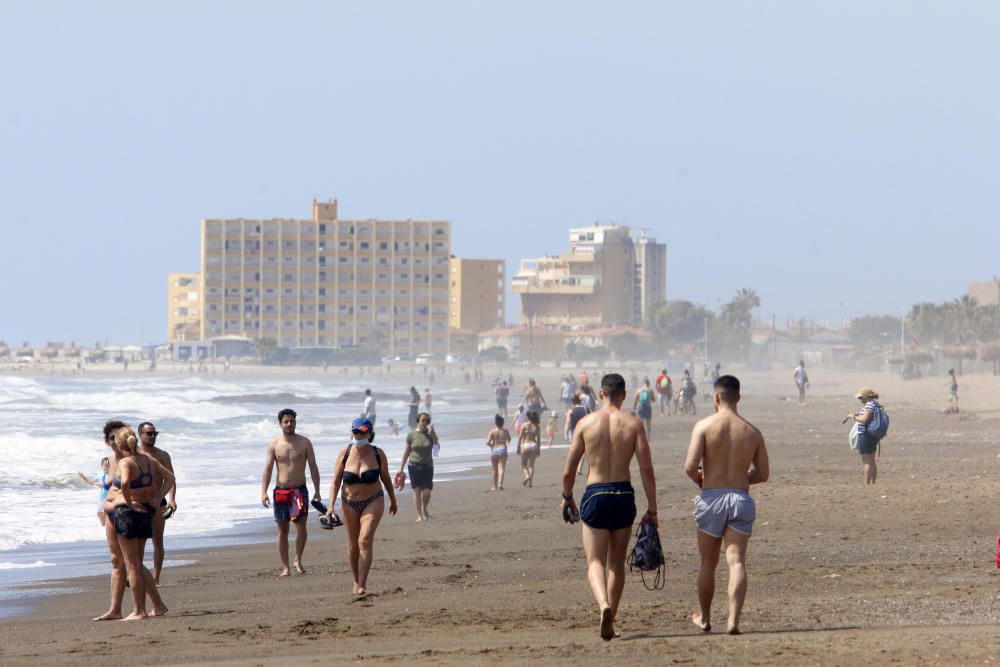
369, 476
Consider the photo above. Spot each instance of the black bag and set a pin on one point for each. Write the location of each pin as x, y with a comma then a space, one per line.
647, 555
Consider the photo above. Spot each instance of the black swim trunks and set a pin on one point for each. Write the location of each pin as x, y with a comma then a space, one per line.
608, 506
132, 524
283, 511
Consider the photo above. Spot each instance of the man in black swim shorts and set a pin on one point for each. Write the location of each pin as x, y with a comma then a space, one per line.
609, 438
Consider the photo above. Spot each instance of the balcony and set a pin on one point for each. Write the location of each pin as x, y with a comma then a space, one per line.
567, 285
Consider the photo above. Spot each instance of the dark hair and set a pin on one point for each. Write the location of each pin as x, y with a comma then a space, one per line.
368, 392
112, 426
286, 412
498, 420
533, 417
613, 386
728, 388
139, 427
421, 414
575, 398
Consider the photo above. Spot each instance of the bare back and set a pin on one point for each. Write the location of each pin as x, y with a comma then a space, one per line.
727, 446
609, 438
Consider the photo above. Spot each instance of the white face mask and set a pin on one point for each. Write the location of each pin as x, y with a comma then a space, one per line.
358, 443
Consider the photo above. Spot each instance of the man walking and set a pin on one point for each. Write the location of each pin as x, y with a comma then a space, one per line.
147, 442
289, 453
368, 412
726, 455
609, 438
801, 381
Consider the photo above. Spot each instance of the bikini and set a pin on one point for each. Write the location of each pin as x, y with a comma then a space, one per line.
369, 476
498, 450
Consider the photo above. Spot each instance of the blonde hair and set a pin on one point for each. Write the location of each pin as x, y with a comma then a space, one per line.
125, 439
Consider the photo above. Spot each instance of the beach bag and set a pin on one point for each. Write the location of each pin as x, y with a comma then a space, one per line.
647, 555
852, 437
879, 425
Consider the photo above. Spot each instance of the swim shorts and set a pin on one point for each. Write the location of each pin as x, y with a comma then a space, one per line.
608, 505
718, 509
132, 524
421, 476
283, 511
866, 444
645, 411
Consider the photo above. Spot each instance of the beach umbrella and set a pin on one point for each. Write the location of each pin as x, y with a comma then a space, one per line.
918, 356
958, 353
991, 352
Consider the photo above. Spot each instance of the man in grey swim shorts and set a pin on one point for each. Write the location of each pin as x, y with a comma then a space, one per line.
726, 455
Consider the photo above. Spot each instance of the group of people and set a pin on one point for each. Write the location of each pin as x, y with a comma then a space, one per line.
136, 500
361, 479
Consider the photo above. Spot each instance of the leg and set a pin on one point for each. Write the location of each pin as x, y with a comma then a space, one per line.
495, 461
283, 547
158, 523
418, 501
369, 522
502, 466
595, 546
352, 522
617, 550
736, 554
301, 534
871, 468
150, 584
134, 567
118, 574
531, 467
426, 501
708, 548
524, 466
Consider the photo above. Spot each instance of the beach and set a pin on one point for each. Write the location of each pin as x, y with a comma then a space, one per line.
839, 573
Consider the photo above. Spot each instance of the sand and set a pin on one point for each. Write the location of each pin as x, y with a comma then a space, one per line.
839, 573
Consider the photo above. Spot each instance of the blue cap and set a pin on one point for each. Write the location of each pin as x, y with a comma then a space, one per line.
361, 425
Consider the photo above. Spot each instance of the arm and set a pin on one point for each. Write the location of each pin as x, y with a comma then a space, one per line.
576, 451
386, 482
695, 455
406, 453
313, 468
541, 398
88, 480
125, 475
520, 438
760, 470
863, 417
167, 477
338, 475
171, 493
266, 481
566, 425
645, 458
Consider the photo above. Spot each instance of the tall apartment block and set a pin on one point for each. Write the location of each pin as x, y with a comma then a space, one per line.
327, 282
478, 294
608, 278
183, 307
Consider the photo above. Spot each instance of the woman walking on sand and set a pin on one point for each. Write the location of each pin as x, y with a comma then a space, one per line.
528, 447
497, 441
361, 474
418, 460
141, 489
866, 443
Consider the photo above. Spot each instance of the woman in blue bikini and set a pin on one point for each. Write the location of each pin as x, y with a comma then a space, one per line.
363, 470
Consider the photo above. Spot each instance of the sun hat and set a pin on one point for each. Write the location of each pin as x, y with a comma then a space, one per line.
866, 393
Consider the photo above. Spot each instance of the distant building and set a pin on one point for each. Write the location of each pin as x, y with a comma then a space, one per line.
327, 282
986, 294
608, 278
477, 293
524, 343
183, 307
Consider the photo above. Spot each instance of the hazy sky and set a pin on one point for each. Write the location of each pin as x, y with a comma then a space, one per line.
840, 158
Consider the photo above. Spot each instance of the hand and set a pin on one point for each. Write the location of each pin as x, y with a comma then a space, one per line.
265, 500
650, 518
172, 504
392, 507
139, 507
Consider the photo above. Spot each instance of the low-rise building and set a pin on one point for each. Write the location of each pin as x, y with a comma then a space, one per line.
526, 343
183, 307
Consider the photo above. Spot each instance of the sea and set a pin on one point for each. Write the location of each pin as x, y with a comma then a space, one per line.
216, 429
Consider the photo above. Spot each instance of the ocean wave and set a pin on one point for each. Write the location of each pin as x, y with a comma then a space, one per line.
24, 566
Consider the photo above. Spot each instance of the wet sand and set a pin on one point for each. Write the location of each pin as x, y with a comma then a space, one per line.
839, 573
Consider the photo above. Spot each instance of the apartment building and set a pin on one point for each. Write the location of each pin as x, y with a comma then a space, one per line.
607, 278
328, 282
477, 300
986, 294
183, 307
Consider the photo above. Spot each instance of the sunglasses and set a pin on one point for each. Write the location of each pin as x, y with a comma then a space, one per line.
152, 433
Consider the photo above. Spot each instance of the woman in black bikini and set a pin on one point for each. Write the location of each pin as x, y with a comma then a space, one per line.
140, 489
364, 471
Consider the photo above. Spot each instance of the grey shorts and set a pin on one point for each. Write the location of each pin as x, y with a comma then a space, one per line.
718, 509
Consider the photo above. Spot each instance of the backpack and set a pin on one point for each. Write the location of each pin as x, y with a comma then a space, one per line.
879, 425
644, 396
665, 383
647, 555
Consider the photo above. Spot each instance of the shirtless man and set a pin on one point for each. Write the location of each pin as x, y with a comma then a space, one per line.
533, 397
733, 455
609, 438
290, 453
147, 442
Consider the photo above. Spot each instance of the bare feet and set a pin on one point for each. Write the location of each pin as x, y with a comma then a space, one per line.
733, 630
135, 616
705, 626
108, 616
298, 567
501, 488
284, 572
607, 625
160, 611
419, 519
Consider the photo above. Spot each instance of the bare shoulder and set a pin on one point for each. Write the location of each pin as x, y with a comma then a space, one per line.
303, 440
